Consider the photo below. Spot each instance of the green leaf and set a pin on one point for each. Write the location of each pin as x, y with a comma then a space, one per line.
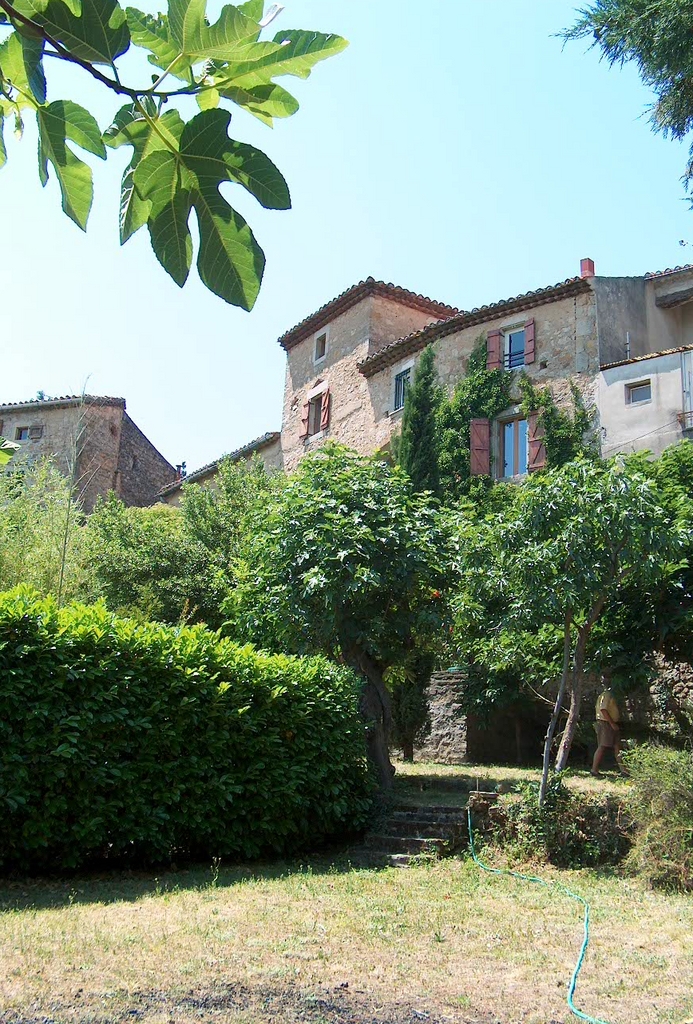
207, 99
131, 128
230, 262
98, 34
153, 34
7, 450
197, 39
58, 122
21, 65
253, 9
291, 53
263, 101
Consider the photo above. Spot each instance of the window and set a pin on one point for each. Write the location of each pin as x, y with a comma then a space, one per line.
21, 434
35, 432
513, 460
315, 417
401, 385
320, 347
640, 392
514, 352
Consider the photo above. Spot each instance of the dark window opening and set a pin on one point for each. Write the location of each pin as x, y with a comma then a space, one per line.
401, 385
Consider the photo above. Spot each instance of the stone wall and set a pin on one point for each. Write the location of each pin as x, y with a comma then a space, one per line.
447, 741
142, 470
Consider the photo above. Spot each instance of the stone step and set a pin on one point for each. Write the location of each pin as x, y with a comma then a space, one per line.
420, 827
408, 844
429, 810
421, 814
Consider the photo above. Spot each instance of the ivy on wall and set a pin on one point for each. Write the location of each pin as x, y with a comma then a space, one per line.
481, 393
565, 436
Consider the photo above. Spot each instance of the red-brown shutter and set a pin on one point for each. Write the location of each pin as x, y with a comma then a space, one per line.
480, 444
325, 410
493, 351
305, 418
529, 342
535, 437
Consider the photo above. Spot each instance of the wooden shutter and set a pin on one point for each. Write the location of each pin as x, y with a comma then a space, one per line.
529, 342
535, 440
305, 417
325, 409
493, 351
480, 445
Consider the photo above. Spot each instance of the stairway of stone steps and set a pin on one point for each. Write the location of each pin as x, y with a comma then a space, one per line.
406, 831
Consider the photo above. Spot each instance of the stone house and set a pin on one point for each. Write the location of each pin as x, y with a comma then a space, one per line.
93, 442
625, 342
267, 448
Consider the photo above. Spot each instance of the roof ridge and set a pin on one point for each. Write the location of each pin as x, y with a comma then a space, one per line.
58, 399
410, 343
349, 297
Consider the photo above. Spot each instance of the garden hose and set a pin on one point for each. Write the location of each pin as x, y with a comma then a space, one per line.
549, 885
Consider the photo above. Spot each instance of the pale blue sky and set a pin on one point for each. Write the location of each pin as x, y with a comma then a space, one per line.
455, 149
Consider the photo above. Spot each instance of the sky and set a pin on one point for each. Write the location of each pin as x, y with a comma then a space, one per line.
456, 148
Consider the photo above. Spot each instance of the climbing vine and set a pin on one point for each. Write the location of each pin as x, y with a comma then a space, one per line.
481, 393
565, 435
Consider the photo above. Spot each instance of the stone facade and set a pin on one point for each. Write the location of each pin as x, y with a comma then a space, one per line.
93, 442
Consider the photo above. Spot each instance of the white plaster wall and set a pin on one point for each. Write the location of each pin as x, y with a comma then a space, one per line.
642, 426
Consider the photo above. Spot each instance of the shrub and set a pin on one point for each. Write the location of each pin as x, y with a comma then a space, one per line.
572, 830
139, 742
662, 807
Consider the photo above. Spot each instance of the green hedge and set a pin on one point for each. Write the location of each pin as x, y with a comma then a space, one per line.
138, 743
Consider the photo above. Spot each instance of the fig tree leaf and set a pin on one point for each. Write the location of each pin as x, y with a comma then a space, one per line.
153, 34
98, 34
263, 101
130, 127
7, 450
291, 53
207, 99
21, 64
58, 122
197, 39
230, 262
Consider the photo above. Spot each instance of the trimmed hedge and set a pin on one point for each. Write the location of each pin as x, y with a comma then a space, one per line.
139, 743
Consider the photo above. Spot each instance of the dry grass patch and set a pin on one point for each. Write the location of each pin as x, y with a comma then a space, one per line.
444, 937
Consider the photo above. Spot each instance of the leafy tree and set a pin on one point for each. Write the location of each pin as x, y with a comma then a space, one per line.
572, 540
411, 720
175, 166
142, 562
658, 36
40, 530
347, 561
418, 448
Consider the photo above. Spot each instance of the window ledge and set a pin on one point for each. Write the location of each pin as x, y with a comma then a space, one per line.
313, 437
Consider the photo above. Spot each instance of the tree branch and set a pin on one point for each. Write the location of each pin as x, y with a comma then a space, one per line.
64, 54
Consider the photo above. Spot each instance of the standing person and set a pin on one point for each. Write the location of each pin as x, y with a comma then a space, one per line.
607, 728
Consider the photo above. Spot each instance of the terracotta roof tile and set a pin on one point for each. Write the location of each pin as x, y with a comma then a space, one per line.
355, 294
63, 401
468, 318
670, 270
246, 449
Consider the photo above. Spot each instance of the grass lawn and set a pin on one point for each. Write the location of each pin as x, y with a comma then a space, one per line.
318, 941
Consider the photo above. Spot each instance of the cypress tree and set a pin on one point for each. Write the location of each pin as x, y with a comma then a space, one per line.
418, 449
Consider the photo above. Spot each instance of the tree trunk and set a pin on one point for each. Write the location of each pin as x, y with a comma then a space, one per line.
408, 750
556, 710
376, 709
577, 684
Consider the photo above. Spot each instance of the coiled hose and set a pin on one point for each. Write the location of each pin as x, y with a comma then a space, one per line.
549, 885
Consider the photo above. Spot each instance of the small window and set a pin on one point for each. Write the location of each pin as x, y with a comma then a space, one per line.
315, 415
320, 346
21, 434
640, 392
35, 432
514, 354
513, 440
401, 385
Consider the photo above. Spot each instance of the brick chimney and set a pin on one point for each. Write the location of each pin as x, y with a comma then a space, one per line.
587, 267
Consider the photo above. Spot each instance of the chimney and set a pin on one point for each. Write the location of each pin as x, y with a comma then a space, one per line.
587, 267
